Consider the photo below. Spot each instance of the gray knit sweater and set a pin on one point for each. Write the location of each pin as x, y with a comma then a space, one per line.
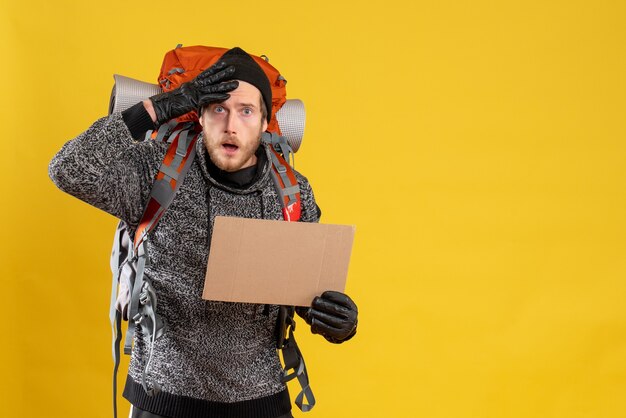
216, 359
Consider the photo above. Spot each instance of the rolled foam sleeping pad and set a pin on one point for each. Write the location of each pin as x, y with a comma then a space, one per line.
128, 91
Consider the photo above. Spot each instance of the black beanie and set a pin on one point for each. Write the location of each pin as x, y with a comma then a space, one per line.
246, 69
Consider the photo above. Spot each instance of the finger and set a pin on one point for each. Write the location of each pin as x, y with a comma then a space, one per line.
323, 305
214, 78
213, 69
332, 320
224, 87
304, 312
339, 298
212, 98
319, 327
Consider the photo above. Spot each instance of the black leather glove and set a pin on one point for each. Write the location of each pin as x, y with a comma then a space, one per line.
333, 315
202, 90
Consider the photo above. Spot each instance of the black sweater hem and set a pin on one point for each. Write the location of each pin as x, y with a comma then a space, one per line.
178, 406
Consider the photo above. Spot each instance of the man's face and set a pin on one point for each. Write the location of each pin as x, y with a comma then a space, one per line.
232, 129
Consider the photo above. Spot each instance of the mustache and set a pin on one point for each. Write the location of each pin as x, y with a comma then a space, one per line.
230, 139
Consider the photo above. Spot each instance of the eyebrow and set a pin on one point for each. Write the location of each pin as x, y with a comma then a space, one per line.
239, 105
247, 105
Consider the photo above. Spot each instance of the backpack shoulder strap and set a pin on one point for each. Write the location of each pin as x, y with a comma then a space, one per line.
283, 175
128, 262
288, 190
174, 167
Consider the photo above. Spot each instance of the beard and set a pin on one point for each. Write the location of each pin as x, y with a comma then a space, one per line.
230, 153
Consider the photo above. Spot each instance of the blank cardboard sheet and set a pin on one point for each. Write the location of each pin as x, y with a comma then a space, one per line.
276, 262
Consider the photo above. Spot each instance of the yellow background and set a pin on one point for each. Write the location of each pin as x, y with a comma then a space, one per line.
478, 146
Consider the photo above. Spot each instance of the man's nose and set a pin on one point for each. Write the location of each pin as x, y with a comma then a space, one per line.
231, 123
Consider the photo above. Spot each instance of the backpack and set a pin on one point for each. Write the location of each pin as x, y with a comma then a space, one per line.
132, 296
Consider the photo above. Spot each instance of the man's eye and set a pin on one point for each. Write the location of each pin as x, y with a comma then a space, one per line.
247, 111
218, 109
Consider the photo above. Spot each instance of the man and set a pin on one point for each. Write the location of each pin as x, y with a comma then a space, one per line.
215, 359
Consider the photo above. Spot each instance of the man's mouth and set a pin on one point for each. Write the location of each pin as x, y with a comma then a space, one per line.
230, 148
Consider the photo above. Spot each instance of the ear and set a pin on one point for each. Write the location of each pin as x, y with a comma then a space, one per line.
200, 113
264, 125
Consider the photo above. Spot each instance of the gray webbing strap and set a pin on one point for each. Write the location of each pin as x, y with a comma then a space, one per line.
116, 356
291, 191
170, 138
151, 225
181, 149
187, 166
282, 172
285, 149
114, 315
294, 361
170, 171
152, 327
278, 188
161, 132
161, 190
133, 308
176, 70
280, 144
115, 273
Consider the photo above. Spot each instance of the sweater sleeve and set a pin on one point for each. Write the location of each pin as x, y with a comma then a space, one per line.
106, 168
